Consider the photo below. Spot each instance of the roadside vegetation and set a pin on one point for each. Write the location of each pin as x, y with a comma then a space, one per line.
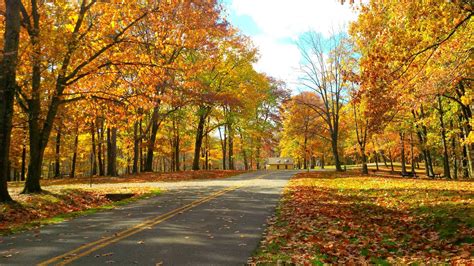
344, 218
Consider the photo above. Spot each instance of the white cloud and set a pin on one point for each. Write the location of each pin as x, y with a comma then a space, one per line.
279, 20
285, 18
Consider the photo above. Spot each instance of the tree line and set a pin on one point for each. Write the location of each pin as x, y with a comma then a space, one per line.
115, 87
396, 88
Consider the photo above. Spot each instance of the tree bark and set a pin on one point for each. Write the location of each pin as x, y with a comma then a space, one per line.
402, 153
447, 172
151, 142
136, 148
94, 162
100, 151
112, 151
57, 163
365, 169
23, 163
8, 88
412, 155
203, 113
231, 146
74, 154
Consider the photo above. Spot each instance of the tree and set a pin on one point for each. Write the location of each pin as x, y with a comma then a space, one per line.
8, 88
322, 73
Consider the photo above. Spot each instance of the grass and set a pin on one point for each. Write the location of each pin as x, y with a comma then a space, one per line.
346, 218
49, 208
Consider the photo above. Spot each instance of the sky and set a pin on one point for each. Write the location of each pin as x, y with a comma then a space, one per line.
275, 26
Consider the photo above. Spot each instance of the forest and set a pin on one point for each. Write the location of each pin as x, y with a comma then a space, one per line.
109, 88
112, 87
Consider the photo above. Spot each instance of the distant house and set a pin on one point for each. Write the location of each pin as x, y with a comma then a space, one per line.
277, 163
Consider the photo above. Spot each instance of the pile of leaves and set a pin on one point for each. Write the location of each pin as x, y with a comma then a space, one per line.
148, 177
30, 210
329, 217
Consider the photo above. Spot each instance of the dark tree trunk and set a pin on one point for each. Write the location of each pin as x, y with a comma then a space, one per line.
8, 88
402, 153
93, 155
412, 155
112, 151
335, 152
384, 158
203, 112
151, 142
176, 147
224, 146
32, 184
57, 157
74, 154
142, 162
23, 163
447, 172
422, 133
100, 151
136, 148
322, 161
464, 152
365, 169
231, 146
376, 155
391, 163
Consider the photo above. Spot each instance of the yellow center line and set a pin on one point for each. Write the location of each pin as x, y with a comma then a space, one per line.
86, 249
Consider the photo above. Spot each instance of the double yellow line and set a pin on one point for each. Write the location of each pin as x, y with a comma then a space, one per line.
87, 249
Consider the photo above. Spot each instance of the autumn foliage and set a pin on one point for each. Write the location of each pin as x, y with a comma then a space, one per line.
345, 218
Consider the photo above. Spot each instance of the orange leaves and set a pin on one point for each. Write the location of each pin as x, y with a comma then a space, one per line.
344, 218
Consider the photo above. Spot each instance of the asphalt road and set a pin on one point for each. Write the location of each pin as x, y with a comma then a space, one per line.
210, 222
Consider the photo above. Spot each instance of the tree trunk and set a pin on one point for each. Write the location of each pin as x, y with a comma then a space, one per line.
322, 161
57, 163
176, 152
223, 146
391, 162
112, 151
365, 169
32, 184
376, 155
231, 146
422, 134
384, 158
74, 154
136, 148
93, 155
402, 153
412, 155
203, 112
23, 163
100, 139
8, 88
151, 142
335, 152
447, 172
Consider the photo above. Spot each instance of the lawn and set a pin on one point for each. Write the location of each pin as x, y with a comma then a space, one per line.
329, 217
66, 198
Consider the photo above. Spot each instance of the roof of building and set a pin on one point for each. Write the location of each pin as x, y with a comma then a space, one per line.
280, 160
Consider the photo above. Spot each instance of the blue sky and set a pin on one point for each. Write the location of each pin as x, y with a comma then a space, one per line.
276, 25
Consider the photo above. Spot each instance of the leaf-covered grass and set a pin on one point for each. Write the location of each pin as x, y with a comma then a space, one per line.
142, 177
34, 210
341, 218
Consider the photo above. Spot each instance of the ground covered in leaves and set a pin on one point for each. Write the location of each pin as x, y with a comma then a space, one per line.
344, 218
147, 177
